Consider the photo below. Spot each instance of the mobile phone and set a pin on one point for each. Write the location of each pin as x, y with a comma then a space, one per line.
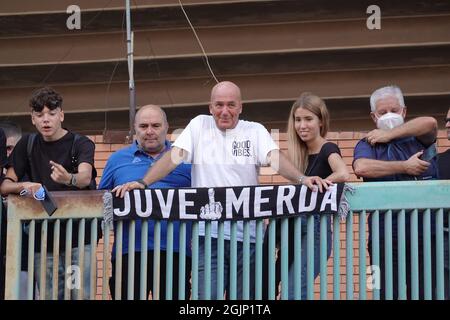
429, 153
49, 203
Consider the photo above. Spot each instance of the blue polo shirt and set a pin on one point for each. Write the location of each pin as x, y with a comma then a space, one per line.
131, 163
396, 150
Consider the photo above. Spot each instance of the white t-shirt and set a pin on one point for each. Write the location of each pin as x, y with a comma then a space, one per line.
225, 158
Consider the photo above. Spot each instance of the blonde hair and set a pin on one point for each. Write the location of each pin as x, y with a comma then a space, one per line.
297, 149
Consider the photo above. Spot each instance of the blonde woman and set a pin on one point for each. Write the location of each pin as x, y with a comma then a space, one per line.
313, 155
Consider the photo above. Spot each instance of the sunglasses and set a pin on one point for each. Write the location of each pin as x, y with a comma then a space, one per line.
447, 120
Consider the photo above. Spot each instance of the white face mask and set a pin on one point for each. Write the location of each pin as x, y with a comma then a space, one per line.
389, 121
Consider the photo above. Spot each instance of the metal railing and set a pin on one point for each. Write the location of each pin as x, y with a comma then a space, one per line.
409, 203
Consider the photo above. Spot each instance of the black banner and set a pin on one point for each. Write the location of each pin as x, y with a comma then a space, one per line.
230, 203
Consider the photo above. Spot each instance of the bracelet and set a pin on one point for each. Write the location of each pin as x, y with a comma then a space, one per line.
10, 179
301, 179
141, 181
73, 181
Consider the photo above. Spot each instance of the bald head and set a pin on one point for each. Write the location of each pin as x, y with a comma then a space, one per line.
226, 105
151, 128
226, 86
151, 107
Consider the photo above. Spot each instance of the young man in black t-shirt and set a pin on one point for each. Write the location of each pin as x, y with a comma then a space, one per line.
50, 163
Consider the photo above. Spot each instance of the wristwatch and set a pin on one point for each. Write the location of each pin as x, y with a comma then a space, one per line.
301, 179
141, 181
73, 181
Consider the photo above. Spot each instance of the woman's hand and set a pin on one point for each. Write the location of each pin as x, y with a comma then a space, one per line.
315, 182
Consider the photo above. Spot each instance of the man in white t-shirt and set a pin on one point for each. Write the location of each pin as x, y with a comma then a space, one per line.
224, 151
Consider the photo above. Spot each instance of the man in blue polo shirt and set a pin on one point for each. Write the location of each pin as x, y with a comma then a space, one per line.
397, 151
130, 164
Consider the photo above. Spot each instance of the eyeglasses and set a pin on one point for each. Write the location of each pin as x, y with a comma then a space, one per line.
447, 120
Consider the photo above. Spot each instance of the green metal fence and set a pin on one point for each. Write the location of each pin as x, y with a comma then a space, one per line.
410, 203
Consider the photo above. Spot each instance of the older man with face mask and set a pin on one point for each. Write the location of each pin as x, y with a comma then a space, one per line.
397, 151
393, 151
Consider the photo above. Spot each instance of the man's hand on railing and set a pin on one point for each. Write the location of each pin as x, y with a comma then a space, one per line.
29, 188
123, 188
315, 182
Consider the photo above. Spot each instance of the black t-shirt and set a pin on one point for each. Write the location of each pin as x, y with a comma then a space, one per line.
317, 166
444, 165
318, 163
40, 170
58, 151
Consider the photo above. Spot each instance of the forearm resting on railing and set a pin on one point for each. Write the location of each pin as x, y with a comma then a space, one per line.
369, 168
339, 168
11, 186
165, 165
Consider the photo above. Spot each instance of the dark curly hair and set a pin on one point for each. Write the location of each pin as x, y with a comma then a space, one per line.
45, 97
